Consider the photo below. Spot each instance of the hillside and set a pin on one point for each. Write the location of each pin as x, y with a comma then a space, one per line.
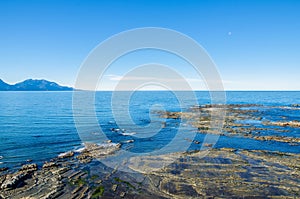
33, 85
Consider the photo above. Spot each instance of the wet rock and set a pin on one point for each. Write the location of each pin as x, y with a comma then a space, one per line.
228, 149
114, 187
13, 181
97, 151
3, 169
278, 139
122, 194
179, 189
295, 105
29, 167
229, 173
92, 150
172, 115
84, 158
223, 172
284, 124
49, 165
240, 120
208, 145
73, 174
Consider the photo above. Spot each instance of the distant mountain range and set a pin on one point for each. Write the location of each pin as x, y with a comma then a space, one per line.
33, 85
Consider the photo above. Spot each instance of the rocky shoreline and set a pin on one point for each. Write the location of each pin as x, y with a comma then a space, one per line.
222, 172
209, 173
239, 121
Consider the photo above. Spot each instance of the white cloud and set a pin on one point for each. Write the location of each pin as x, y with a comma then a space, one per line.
110, 81
113, 77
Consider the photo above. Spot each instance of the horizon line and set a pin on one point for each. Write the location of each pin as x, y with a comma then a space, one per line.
78, 90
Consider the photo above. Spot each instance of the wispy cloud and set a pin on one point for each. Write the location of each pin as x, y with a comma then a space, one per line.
195, 83
113, 77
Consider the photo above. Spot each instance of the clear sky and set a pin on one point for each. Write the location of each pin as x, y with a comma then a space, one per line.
255, 44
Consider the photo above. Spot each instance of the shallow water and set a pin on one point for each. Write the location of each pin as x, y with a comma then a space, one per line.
38, 126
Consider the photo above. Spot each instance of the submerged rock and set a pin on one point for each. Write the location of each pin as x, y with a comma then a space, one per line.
241, 120
278, 139
289, 123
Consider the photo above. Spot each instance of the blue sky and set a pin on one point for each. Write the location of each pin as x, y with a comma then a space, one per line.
255, 44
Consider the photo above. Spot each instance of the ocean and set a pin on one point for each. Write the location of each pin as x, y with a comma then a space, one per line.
38, 126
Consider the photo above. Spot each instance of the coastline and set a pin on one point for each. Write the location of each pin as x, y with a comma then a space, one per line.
222, 172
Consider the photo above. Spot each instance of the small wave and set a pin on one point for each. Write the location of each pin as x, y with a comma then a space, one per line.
114, 129
64, 154
127, 134
1, 162
79, 150
1, 157
248, 121
128, 141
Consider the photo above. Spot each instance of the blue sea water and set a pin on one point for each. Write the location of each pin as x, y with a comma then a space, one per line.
38, 126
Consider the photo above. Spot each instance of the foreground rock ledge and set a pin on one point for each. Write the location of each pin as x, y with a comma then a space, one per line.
222, 172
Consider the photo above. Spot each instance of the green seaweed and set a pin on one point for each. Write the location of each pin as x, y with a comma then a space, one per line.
94, 177
78, 182
86, 171
203, 128
99, 191
125, 182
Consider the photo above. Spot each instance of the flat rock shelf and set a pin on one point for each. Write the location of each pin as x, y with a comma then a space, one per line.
222, 172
